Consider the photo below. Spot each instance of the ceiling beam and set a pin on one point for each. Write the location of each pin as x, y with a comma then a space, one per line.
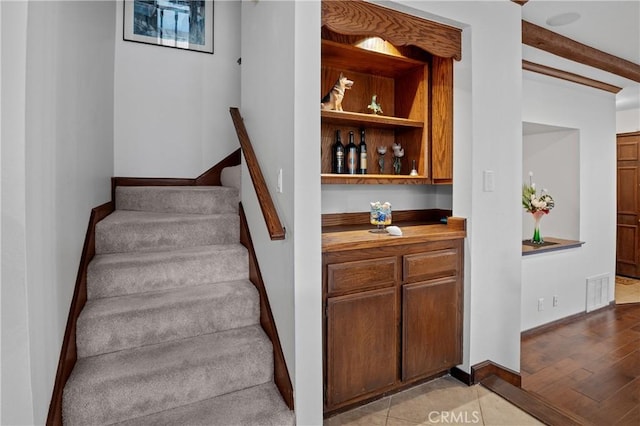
542, 38
568, 76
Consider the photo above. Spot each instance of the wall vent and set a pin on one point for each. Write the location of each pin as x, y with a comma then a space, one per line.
597, 292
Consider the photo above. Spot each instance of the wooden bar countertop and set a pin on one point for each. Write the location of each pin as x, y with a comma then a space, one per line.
354, 236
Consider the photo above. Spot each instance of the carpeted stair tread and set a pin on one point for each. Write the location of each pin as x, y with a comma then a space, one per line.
116, 323
126, 231
117, 274
133, 383
260, 405
178, 199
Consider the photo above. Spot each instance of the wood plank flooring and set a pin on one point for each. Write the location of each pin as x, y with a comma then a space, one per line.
589, 367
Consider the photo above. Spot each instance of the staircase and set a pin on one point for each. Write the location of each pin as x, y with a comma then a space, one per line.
170, 333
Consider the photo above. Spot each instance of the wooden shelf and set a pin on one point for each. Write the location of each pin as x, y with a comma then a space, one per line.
412, 81
371, 179
343, 56
368, 120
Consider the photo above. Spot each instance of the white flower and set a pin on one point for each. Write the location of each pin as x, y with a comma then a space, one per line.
398, 151
382, 150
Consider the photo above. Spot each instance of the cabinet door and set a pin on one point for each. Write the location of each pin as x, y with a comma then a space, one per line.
362, 341
431, 327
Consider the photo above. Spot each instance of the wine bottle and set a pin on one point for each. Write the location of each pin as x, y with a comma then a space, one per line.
337, 154
362, 150
352, 156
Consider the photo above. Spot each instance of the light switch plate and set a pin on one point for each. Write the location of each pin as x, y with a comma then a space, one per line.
488, 180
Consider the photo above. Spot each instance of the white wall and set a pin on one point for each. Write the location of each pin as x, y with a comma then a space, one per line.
557, 103
280, 74
356, 198
0, 207
61, 159
628, 121
554, 159
17, 402
172, 106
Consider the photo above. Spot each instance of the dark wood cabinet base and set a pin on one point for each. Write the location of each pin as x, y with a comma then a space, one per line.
392, 310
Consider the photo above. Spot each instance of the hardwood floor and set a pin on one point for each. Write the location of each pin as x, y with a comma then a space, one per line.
589, 367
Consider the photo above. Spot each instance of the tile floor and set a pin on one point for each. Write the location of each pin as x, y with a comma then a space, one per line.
627, 290
444, 401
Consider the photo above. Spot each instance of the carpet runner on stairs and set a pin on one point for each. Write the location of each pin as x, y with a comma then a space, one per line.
170, 333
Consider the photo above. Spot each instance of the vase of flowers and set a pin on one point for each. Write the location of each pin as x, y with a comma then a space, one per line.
536, 204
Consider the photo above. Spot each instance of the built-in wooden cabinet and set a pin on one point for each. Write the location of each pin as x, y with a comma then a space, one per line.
392, 305
393, 312
407, 63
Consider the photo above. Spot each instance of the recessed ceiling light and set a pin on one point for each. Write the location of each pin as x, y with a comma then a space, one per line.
563, 19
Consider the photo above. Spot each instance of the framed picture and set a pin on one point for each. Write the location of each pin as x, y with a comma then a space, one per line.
182, 24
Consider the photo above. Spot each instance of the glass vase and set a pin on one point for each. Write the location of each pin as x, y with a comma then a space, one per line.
537, 237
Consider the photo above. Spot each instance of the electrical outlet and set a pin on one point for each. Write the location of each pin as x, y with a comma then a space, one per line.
555, 301
541, 304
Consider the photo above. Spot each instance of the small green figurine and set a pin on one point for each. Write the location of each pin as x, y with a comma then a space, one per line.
374, 106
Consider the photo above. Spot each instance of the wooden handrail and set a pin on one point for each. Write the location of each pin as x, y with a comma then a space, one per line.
271, 218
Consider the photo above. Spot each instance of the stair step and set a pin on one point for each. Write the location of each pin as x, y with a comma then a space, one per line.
178, 199
127, 231
116, 323
257, 406
118, 274
137, 382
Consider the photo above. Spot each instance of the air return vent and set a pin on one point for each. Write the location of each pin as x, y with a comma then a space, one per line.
597, 292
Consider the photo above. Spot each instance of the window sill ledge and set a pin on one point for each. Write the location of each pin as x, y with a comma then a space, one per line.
557, 244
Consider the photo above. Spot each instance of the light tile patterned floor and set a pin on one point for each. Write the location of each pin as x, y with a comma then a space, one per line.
443, 401
627, 290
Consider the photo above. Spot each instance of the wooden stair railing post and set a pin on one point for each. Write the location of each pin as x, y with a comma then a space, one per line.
271, 218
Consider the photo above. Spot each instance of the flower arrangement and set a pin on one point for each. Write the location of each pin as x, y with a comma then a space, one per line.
398, 153
532, 202
537, 205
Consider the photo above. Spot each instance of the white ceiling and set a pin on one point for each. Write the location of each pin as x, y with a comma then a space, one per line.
611, 26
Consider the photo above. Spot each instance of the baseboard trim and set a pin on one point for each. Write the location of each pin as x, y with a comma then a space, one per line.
68, 352
483, 370
211, 177
562, 321
461, 375
281, 373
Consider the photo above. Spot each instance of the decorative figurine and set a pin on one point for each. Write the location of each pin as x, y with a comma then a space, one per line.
374, 106
333, 99
398, 153
382, 150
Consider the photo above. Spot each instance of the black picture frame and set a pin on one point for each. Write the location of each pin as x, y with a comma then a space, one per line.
180, 24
